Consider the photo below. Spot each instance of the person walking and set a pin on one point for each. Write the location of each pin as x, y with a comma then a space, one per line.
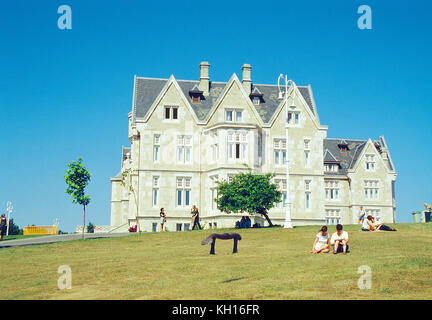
162, 219
362, 215
3, 226
195, 216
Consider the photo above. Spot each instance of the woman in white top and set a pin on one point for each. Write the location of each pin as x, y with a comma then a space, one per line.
321, 243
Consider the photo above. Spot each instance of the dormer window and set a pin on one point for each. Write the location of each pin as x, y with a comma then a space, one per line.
196, 99
331, 167
256, 96
195, 94
343, 146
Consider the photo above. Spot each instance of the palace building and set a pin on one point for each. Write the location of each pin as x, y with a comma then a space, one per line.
187, 134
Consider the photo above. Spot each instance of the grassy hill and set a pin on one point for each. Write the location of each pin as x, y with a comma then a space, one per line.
271, 264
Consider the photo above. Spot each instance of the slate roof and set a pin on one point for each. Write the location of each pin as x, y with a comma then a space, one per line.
346, 159
147, 90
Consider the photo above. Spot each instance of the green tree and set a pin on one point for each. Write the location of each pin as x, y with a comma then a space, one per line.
248, 192
90, 227
77, 178
14, 229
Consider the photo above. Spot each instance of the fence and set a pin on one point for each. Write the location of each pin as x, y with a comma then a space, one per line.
34, 230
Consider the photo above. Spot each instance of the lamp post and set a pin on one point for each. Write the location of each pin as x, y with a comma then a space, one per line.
288, 223
9, 209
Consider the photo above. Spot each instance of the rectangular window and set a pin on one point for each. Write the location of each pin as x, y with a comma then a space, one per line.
186, 226
154, 227
156, 148
370, 162
333, 216
184, 149
183, 192
229, 115
239, 116
331, 190
256, 101
156, 153
178, 227
307, 200
155, 191
293, 118
155, 197
237, 146
279, 146
234, 115
307, 159
215, 149
371, 189
282, 188
171, 113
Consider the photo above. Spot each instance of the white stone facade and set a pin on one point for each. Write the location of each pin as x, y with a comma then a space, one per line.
185, 135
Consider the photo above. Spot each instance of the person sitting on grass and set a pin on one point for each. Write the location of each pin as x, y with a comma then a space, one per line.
321, 243
365, 225
339, 240
375, 226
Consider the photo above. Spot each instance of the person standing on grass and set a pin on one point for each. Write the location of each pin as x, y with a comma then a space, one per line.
162, 219
339, 240
321, 243
3, 226
375, 226
362, 215
195, 216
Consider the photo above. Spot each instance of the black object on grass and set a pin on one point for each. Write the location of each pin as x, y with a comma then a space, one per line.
225, 236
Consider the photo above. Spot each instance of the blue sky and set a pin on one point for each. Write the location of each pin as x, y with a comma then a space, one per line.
66, 94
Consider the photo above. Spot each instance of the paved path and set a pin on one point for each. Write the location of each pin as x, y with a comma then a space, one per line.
58, 238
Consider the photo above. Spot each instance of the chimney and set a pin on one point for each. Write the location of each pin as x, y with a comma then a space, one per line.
204, 77
246, 81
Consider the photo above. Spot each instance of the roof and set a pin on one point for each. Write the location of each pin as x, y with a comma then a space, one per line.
346, 159
147, 90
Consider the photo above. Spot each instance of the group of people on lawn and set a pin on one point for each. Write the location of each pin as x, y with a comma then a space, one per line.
195, 218
339, 239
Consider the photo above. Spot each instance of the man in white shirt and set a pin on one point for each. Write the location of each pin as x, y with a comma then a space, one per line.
339, 240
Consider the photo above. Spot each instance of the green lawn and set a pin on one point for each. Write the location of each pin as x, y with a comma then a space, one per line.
20, 236
271, 264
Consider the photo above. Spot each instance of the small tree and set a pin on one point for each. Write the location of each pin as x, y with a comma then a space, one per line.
90, 227
14, 229
248, 192
77, 178
126, 182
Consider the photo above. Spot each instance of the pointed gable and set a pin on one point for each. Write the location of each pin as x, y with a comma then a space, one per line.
146, 90
329, 157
